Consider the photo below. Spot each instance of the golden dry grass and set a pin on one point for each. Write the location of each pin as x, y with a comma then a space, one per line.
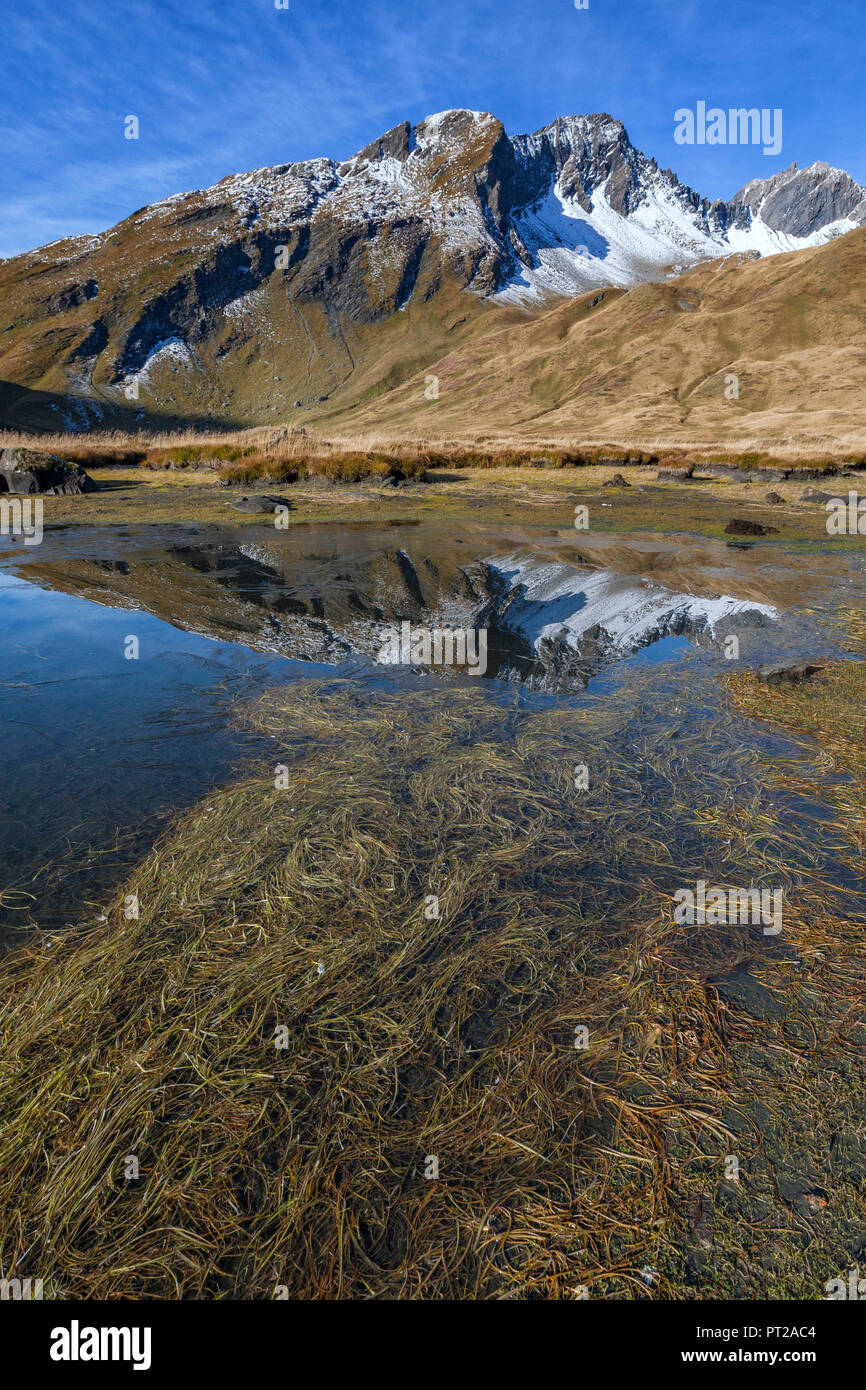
265, 449
650, 368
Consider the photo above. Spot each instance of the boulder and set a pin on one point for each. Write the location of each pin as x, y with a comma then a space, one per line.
740, 527
813, 495
616, 481
774, 499
263, 504
675, 472
36, 471
788, 673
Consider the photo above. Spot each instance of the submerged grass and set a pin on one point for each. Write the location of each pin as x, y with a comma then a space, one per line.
425, 916
827, 717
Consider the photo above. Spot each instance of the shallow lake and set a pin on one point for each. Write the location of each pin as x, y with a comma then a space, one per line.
102, 747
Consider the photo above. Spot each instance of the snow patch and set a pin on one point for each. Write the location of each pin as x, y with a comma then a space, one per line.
170, 352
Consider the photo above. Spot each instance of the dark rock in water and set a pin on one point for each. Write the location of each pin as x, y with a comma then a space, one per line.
35, 471
113, 566
788, 673
842, 470
740, 527
764, 473
263, 504
675, 472
813, 495
616, 481
774, 499
741, 990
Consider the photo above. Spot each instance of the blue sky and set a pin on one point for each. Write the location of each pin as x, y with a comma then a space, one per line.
227, 85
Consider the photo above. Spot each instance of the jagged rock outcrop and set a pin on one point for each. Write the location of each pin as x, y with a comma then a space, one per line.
800, 202
232, 303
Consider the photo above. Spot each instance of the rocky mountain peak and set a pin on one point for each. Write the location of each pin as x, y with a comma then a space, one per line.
394, 144
800, 202
582, 154
302, 264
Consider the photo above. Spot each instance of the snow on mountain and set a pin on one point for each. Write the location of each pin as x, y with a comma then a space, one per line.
260, 294
573, 251
570, 208
173, 352
574, 206
580, 241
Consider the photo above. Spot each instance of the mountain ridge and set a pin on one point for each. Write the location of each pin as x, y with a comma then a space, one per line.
270, 291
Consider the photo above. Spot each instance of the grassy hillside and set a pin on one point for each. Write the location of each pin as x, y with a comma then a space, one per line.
653, 363
649, 366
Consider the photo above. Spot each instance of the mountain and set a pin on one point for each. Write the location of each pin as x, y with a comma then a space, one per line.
740, 349
294, 290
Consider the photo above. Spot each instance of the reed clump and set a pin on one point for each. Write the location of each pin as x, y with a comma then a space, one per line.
354, 458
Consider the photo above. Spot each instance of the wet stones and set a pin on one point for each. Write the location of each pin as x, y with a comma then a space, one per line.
790, 673
264, 504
